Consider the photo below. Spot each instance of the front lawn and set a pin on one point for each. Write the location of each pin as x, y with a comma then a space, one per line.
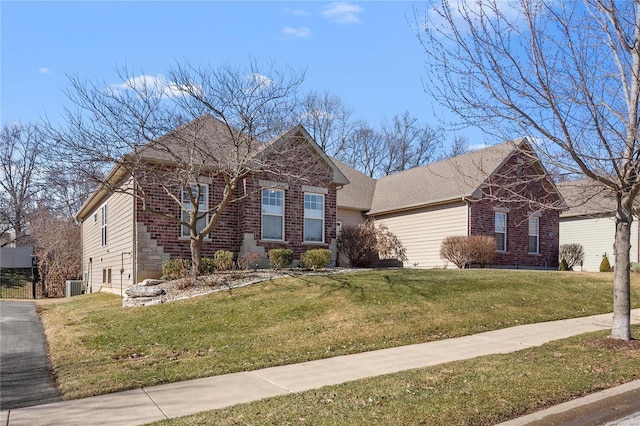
480, 391
99, 347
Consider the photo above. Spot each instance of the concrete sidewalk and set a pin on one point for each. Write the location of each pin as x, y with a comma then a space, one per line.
179, 399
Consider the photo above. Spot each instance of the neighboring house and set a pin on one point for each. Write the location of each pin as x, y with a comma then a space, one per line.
291, 207
497, 191
591, 222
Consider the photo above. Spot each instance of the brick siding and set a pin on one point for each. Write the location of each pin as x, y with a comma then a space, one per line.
302, 166
499, 194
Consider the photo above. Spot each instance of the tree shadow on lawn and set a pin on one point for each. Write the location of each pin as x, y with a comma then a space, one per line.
334, 283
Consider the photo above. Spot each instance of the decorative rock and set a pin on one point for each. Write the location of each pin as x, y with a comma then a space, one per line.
139, 290
149, 282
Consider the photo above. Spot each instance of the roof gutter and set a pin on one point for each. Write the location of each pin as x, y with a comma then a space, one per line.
463, 198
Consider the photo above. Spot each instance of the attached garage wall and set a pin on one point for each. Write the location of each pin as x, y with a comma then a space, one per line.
596, 234
421, 231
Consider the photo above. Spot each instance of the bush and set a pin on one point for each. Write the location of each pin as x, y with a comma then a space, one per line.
173, 269
207, 265
563, 265
361, 242
605, 266
316, 259
464, 250
223, 260
456, 250
249, 261
280, 258
483, 249
572, 254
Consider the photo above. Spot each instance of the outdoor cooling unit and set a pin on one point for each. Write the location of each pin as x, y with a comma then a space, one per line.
73, 288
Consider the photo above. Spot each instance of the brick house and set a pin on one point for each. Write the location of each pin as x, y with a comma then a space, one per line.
501, 191
289, 201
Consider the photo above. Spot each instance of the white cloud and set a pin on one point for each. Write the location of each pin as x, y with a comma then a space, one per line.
477, 147
153, 86
260, 80
342, 13
297, 32
44, 70
508, 9
296, 12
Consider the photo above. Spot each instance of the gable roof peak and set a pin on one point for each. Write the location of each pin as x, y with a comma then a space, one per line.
447, 180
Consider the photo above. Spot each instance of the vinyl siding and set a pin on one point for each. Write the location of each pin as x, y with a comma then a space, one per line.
115, 255
349, 217
596, 234
421, 231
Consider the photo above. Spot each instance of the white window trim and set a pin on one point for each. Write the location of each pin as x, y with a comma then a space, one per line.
322, 219
537, 234
263, 214
504, 249
189, 206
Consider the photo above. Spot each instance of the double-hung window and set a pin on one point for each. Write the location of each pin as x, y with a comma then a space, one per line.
273, 214
534, 234
103, 229
313, 218
199, 194
500, 231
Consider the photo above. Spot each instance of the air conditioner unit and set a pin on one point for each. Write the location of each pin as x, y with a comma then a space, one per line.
73, 288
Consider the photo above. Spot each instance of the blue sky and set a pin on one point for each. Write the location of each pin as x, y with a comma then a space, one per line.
366, 53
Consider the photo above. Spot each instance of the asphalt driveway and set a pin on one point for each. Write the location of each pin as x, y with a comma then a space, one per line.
25, 374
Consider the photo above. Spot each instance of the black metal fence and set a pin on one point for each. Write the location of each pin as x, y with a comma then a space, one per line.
18, 284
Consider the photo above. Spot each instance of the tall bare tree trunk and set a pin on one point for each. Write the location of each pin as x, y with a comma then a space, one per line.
621, 280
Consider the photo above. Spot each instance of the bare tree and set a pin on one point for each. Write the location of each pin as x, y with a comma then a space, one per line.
171, 132
459, 145
565, 73
365, 150
328, 120
56, 248
400, 145
408, 143
20, 160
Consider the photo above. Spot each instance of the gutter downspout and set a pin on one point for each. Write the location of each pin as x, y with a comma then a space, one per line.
122, 268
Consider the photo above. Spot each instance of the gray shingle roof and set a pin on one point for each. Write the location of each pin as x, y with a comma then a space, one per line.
440, 182
585, 197
359, 193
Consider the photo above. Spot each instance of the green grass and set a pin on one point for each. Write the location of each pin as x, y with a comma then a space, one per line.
481, 391
99, 347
